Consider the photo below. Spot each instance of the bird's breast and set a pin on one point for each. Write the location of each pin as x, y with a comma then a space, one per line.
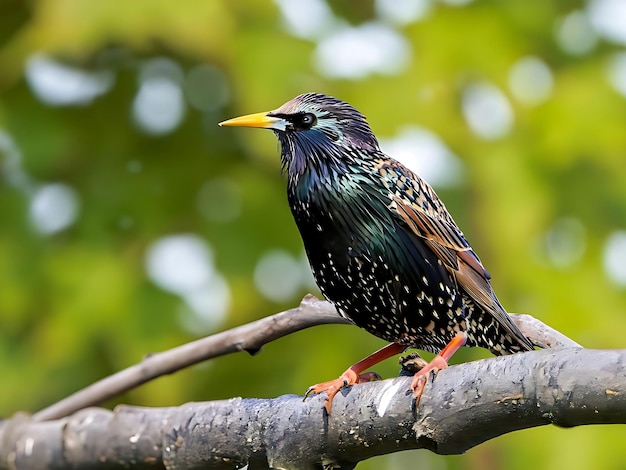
375, 272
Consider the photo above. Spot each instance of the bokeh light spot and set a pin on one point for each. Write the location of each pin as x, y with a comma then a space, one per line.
403, 12
487, 111
11, 164
159, 107
424, 153
180, 263
53, 208
134, 166
355, 53
208, 306
566, 242
278, 276
307, 19
530, 80
206, 88
608, 19
617, 72
615, 257
575, 35
183, 265
57, 84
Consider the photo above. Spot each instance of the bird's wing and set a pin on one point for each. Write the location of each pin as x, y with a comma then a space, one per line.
451, 248
416, 203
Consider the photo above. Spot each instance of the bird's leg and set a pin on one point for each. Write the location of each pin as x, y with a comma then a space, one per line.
353, 374
439, 362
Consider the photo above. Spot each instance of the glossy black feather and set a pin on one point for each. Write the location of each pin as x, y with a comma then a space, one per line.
382, 246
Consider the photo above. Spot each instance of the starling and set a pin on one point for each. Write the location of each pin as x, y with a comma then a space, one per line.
382, 246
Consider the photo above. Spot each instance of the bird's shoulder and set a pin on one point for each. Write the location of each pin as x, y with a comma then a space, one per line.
402, 183
416, 202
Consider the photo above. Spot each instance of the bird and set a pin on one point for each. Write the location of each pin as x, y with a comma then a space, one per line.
381, 244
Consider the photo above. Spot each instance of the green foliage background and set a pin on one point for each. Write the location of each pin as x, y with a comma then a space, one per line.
78, 305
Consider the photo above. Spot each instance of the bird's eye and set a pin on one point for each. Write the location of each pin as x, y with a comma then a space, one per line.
306, 120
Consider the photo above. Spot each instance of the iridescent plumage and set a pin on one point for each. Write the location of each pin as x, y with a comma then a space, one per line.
383, 248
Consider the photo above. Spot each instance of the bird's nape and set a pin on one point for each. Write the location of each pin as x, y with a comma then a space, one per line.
382, 246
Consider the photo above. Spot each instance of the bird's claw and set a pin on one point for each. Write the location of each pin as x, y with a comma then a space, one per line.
420, 379
332, 387
417, 387
319, 388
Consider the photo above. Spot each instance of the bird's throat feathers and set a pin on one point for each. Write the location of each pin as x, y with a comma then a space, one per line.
312, 160
314, 170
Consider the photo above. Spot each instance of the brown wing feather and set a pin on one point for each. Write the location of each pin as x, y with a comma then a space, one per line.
433, 224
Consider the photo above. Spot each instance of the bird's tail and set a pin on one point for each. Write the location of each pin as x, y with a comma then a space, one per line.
494, 331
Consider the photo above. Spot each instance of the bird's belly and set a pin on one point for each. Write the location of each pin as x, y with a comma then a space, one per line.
413, 310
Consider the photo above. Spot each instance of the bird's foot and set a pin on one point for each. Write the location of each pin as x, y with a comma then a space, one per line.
354, 374
331, 387
439, 362
421, 377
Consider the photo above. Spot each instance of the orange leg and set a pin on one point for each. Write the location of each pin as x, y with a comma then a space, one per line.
439, 362
353, 374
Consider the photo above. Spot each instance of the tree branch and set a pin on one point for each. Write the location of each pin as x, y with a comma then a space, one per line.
250, 337
466, 405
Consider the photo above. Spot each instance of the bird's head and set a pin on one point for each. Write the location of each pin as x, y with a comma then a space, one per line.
316, 132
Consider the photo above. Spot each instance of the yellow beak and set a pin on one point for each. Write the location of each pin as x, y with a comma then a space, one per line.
261, 120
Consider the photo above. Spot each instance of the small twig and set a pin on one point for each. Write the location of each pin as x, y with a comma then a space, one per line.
250, 337
541, 334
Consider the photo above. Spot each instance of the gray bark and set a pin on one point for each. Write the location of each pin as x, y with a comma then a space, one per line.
466, 405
